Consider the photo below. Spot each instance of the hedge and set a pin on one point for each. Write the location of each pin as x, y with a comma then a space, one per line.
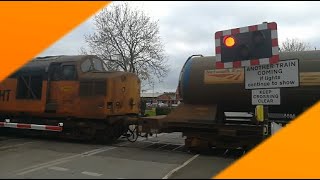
162, 110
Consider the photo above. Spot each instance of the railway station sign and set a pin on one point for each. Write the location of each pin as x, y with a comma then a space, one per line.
281, 75
266, 97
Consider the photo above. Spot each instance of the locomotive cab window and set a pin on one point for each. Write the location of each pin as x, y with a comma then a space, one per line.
29, 87
68, 72
54, 72
93, 64
64, 72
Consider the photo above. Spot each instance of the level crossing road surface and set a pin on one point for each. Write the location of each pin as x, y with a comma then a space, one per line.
162, 157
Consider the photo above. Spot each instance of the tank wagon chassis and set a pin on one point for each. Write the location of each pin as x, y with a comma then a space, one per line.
204, 135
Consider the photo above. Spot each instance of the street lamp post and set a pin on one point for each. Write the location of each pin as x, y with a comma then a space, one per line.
153, 90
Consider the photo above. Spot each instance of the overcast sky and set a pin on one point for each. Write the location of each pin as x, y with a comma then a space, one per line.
188, 28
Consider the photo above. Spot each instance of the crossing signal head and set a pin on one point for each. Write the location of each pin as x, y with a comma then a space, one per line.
229, 41
254, 45
257, 44
245, 46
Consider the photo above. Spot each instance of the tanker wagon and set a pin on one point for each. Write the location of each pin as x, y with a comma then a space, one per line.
208, 93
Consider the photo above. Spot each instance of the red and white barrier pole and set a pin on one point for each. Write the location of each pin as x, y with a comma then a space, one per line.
32, 126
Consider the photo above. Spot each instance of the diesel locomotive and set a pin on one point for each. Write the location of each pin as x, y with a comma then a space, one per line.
74, 95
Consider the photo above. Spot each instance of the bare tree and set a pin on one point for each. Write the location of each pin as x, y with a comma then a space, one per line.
128, 40
290, 45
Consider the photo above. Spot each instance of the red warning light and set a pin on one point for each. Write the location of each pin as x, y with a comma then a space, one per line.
229, 41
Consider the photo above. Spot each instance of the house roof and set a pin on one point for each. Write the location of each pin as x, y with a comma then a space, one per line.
150, 95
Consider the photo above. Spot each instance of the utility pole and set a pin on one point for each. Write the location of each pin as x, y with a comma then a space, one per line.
153, 91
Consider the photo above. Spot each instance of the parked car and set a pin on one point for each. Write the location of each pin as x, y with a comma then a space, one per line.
162, 105
174, 105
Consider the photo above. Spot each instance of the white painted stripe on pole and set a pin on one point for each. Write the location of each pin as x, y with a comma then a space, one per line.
218, 57
244, 29
226, 32
91, 173
38, 127
245, 63
10, 125
274, 34
275, 50
264, 61
217, 42
262, 26
28, 126
178, 168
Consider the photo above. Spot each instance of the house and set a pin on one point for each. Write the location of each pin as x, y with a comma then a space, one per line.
168, 98
150, 97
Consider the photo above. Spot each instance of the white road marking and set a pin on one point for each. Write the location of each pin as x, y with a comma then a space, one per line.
91, 173
163, 146
177, 147
178, 168
58, 168
16, 145
6, 138
164, 142
62, 160
69, 158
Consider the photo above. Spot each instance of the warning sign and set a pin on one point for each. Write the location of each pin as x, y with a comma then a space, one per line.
266, 97
282, 74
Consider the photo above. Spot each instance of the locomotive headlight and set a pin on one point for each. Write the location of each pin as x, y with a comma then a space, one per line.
109, 105
132, 102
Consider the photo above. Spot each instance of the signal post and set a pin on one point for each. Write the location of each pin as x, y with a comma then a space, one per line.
251, 46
